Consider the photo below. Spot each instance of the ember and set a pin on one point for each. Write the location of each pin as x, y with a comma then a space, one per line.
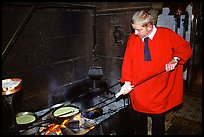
70, 126
53, 128
78, 117
61, 122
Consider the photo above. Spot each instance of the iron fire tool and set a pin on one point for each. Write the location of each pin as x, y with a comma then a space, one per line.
120, 93
95, 91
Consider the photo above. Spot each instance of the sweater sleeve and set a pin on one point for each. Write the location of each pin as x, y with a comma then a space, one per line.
181, 48
127, 61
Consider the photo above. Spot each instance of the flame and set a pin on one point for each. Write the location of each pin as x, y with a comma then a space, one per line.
65, 122
41, 130
91, 127
78, 117
81, 122
53, 127
56, 127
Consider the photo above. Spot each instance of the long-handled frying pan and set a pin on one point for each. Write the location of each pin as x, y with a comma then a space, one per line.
119, 93
25, 119
94, 92
97, 111
66, 112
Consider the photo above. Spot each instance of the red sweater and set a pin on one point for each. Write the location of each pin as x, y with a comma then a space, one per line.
165, 90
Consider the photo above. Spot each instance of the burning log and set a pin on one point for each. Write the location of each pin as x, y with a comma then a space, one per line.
67, 131
53, 128
73, 124
76, 125
88, 125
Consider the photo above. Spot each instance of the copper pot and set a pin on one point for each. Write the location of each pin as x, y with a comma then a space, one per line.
11, 86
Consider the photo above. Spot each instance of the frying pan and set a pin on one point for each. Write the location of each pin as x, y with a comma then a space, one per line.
51, 109
93, 112
120, 93
94, 92
67, 111
26, 119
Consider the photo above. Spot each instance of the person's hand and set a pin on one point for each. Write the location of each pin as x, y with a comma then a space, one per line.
171, 65
125, 89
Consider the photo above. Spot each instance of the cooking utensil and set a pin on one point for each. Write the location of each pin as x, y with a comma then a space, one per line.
93, 112
25, 119
94, 92
50, 110
11, 86
120, 93
66, 111
10, 97
95, 72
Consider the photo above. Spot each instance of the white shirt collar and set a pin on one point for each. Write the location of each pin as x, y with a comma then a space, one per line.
151, 35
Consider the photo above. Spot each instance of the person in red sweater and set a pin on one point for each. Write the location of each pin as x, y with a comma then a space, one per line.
155, 85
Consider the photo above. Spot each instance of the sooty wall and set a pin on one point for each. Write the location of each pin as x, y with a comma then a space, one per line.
52, 49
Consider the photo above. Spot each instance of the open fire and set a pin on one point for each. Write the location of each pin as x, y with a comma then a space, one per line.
54, 128
77, 125
69, 119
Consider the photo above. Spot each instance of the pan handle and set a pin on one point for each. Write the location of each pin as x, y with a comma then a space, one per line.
50, 110
46, 113
68, 113
119, 93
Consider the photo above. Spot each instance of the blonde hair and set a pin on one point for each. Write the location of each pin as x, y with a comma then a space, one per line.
142, 18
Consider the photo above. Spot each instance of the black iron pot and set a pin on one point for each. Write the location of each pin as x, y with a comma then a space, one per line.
95, 73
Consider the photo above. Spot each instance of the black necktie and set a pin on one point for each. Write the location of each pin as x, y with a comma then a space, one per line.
147, 56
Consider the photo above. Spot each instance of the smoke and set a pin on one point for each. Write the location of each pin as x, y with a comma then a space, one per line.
53, 92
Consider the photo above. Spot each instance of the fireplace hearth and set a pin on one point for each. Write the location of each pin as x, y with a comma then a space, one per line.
79, 124
75, 125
